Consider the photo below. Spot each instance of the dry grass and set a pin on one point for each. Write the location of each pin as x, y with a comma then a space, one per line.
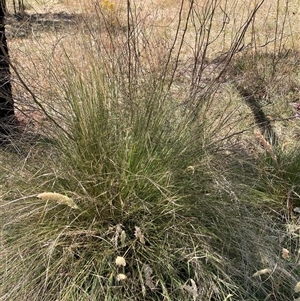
45, 48
272, 21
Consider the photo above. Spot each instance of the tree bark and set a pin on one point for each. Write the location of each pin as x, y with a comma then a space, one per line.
7, 116
3, 5
20, 9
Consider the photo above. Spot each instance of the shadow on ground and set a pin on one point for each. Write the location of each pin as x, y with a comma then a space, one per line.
23, 25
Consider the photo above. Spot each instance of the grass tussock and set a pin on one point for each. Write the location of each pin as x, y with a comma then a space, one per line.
147, 188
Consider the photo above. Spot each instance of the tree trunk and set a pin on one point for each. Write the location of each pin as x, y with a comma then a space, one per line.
3, 6
7, 116
20, 9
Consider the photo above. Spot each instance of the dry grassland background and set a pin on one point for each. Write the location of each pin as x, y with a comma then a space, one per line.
39, 42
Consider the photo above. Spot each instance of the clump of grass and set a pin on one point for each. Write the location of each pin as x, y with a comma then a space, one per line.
280, 179
142, 202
